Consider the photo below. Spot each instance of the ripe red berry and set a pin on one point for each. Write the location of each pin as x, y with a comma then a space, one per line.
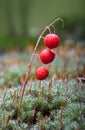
52, 40
42, 73
47, 56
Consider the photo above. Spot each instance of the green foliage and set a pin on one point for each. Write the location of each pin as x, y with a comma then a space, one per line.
44, 109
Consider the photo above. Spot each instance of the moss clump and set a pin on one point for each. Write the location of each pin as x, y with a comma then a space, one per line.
45, 107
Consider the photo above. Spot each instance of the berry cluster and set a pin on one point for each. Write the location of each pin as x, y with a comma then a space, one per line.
47, 55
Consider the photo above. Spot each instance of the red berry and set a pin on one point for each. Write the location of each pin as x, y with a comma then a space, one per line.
52, 40
47, 56
42, 73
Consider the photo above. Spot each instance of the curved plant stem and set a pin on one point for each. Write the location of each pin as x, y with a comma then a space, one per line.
53, 28
33, 54
48, 29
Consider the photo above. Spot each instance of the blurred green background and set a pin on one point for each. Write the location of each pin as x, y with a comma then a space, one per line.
21, 21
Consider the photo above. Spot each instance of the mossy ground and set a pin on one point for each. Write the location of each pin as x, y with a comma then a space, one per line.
46, 105
58, 103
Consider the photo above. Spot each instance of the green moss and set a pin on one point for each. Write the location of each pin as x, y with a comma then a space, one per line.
40, 113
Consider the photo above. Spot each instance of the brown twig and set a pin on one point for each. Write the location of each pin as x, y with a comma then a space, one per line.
4, 97
61, 117
33, 54
66, 86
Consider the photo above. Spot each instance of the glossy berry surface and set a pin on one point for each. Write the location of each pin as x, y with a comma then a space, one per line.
52, 40
47, 56
42, 73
